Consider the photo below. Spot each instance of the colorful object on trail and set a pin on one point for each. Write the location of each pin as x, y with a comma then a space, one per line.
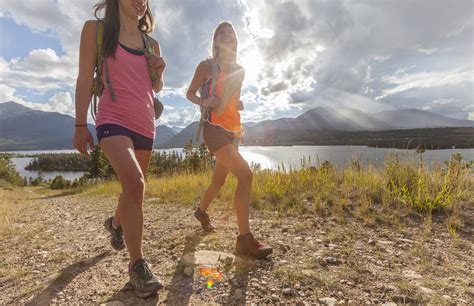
211, 274
210, 283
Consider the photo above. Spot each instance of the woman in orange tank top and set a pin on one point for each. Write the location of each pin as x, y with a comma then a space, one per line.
222, 133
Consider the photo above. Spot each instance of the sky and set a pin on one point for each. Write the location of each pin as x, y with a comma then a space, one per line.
371, 55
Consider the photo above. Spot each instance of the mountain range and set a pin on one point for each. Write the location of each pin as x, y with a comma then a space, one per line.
22, 128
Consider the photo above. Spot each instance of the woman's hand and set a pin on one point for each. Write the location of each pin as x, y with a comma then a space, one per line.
82, 137
157, 63
211, 102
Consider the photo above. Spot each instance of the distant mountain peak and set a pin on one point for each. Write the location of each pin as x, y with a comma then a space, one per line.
12, 108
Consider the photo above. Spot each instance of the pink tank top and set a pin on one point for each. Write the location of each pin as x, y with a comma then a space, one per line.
131, 83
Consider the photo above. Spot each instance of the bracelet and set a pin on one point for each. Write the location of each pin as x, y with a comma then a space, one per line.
78, 125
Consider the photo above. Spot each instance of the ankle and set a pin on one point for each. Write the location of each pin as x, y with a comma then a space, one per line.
246, 235
132, 263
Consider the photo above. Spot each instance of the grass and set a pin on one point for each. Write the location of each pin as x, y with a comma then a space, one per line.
402, 188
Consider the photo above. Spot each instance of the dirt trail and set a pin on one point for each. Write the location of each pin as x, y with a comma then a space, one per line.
55, 250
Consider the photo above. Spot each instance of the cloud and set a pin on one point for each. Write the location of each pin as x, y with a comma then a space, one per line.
298, 54
424, 80
181, 118
42, 70
61, 102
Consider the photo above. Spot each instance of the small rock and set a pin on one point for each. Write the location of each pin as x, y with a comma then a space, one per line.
371, 242
426, 290
298, 238
446, 297
113, 303
274, 298
403, 299
229, 260
390, 288
328, 301
297, 286
411, 274
288, 291
188, 271
239, 294
331, 260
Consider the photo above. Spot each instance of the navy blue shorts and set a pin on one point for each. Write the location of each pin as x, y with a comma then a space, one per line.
140, 142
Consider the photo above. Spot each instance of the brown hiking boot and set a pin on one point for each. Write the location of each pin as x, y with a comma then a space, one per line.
248, 245
204, 219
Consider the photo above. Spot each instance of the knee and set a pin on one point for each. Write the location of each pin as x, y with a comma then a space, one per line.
218, 183
135, 187
245, 175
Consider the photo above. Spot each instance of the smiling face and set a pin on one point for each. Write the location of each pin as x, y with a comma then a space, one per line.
134, 9
225, 39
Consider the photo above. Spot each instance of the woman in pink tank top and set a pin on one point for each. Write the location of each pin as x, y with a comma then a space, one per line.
125, 119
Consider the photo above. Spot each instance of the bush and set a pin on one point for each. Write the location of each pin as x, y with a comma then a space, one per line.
8, 172
59, 182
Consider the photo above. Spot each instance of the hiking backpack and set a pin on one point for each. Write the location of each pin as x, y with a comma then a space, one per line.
204, 94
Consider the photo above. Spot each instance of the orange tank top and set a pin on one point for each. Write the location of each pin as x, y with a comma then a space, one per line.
230, 117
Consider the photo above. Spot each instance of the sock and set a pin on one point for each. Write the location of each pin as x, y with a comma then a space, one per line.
113, 225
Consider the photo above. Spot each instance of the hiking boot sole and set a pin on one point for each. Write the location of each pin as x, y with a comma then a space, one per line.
145, 294
261, 256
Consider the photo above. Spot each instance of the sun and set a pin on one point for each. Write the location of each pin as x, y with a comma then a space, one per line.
252, 61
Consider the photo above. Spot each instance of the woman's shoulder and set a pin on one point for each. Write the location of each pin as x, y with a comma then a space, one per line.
91, 25
89, 32
204, 65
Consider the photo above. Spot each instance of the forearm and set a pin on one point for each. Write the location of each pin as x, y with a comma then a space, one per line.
83, 98
159, 83
194, 98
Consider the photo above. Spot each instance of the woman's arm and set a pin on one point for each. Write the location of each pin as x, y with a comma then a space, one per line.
85, 78
84, 84
200, 76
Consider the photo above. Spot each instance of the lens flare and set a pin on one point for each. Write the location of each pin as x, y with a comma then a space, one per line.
210, 283
212, 275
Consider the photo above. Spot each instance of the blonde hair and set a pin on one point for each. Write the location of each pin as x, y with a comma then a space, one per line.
232, 82
215, 48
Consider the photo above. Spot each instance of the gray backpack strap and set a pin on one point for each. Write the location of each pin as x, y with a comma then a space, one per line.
214, 74
107, 80
204, 94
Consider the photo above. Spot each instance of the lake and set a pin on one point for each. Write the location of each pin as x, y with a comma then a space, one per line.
272, 157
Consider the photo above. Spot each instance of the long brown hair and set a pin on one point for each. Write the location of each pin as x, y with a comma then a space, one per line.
111, 21
232, 82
